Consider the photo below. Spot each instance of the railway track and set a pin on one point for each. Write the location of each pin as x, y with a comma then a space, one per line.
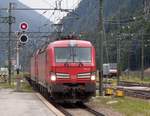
143, 93
138, 94
129, 84
77, 109
60, 108
91, 110
65, 108
137, 90
70, 109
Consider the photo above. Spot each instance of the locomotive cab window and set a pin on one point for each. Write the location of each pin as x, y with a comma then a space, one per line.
73, 54
82, 54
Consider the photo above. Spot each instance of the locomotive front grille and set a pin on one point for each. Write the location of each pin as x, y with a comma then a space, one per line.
84, 75
62, 75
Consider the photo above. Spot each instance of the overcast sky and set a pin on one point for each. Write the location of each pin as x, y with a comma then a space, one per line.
53, 16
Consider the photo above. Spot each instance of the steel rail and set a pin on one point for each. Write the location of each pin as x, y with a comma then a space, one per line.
87, 108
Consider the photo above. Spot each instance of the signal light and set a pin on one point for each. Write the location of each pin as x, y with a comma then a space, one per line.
24, 26
23, 38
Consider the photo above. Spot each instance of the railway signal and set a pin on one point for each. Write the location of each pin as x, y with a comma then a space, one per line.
23, 38
24, 26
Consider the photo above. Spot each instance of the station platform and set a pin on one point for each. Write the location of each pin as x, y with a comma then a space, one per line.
22, 104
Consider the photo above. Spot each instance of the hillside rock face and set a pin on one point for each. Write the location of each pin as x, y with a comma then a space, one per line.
88, 12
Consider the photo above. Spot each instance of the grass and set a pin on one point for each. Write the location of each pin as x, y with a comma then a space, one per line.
6, 85
126, 105
134, 76
25, 87
135, 79
131, 78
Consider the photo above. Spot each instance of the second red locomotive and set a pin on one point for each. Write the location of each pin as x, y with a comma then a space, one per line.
65, 70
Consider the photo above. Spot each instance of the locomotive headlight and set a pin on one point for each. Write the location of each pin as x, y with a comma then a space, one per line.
93, 77
53, 77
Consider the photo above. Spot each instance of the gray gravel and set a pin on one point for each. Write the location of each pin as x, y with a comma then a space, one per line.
79, 112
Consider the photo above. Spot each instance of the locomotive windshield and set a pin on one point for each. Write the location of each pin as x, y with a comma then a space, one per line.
73, 54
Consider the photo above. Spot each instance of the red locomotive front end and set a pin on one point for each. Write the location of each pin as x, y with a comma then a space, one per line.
72, 70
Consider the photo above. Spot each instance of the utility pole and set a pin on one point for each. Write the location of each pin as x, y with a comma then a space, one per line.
142, 38
100, 46
9, 42
118, 48
17, 65
118, 59
142, 56
129, 51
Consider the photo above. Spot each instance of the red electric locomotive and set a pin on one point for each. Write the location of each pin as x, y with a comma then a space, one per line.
65, 69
